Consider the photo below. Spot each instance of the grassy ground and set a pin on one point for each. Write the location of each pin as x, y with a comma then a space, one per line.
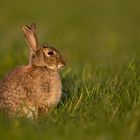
101, 83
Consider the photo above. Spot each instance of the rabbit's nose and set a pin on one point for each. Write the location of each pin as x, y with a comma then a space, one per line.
61, 64
64, 62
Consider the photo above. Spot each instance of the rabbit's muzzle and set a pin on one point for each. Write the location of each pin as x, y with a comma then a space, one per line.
62, 63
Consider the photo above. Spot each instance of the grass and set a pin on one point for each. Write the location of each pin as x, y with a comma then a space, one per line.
101, 94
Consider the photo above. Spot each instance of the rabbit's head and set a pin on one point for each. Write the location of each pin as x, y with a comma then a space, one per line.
42, 55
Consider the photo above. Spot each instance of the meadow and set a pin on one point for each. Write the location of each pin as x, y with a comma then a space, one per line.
101, 82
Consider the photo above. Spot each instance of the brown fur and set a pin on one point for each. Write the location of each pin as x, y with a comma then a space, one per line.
31, 90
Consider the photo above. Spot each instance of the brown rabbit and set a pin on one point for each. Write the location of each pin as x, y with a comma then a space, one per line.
31, 90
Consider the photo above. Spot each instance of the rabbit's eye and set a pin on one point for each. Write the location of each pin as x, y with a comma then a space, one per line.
51, 53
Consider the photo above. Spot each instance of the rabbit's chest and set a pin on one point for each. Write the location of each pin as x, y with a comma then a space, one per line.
49, 91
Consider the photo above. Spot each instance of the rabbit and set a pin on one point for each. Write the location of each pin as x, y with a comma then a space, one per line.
31, 90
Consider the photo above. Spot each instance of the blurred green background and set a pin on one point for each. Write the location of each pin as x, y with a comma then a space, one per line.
97, 37
87, 32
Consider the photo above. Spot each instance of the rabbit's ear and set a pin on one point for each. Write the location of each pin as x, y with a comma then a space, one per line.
31, 36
